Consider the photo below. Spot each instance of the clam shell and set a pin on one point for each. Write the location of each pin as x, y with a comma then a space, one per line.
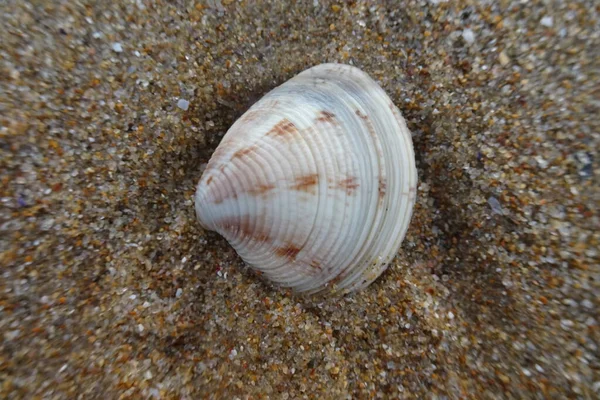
315, 184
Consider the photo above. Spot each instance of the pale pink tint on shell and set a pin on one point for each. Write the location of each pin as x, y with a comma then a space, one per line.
315, 184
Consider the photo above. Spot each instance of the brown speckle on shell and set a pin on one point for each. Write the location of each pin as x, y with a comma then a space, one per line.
242, 152
333, 282
349, 185
283, 129
261, 189
369, 125
316, 265
306, 183
243, 228
290, 251
253, 115
382, 188
360, 114
326, 116
262, 237
219, 198
230, 222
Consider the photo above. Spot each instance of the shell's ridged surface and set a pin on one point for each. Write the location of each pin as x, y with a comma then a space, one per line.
314, 185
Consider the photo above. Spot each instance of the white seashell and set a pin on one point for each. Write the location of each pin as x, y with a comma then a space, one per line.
315, 184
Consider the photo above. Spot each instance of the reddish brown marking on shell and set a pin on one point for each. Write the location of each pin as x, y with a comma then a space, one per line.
215, 160
361, 115
326, 116
242, 152
215, 195
289, 251
370, 128
349, 185
263, 238
316, 265
220, 152
283, 129
382, 188
336, 279
261, 189
306, 183
220, 199
253, 115
243, 228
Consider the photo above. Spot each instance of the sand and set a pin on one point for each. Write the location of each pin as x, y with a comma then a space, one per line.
110, 288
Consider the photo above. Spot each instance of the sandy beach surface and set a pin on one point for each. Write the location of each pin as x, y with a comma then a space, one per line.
110, 289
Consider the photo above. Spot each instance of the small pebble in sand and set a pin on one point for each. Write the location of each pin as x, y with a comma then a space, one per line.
117, 48
183, 104
469, 36
495, 205
547, 22
503, 58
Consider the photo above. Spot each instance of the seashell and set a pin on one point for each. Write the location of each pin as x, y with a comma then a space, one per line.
315, 184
